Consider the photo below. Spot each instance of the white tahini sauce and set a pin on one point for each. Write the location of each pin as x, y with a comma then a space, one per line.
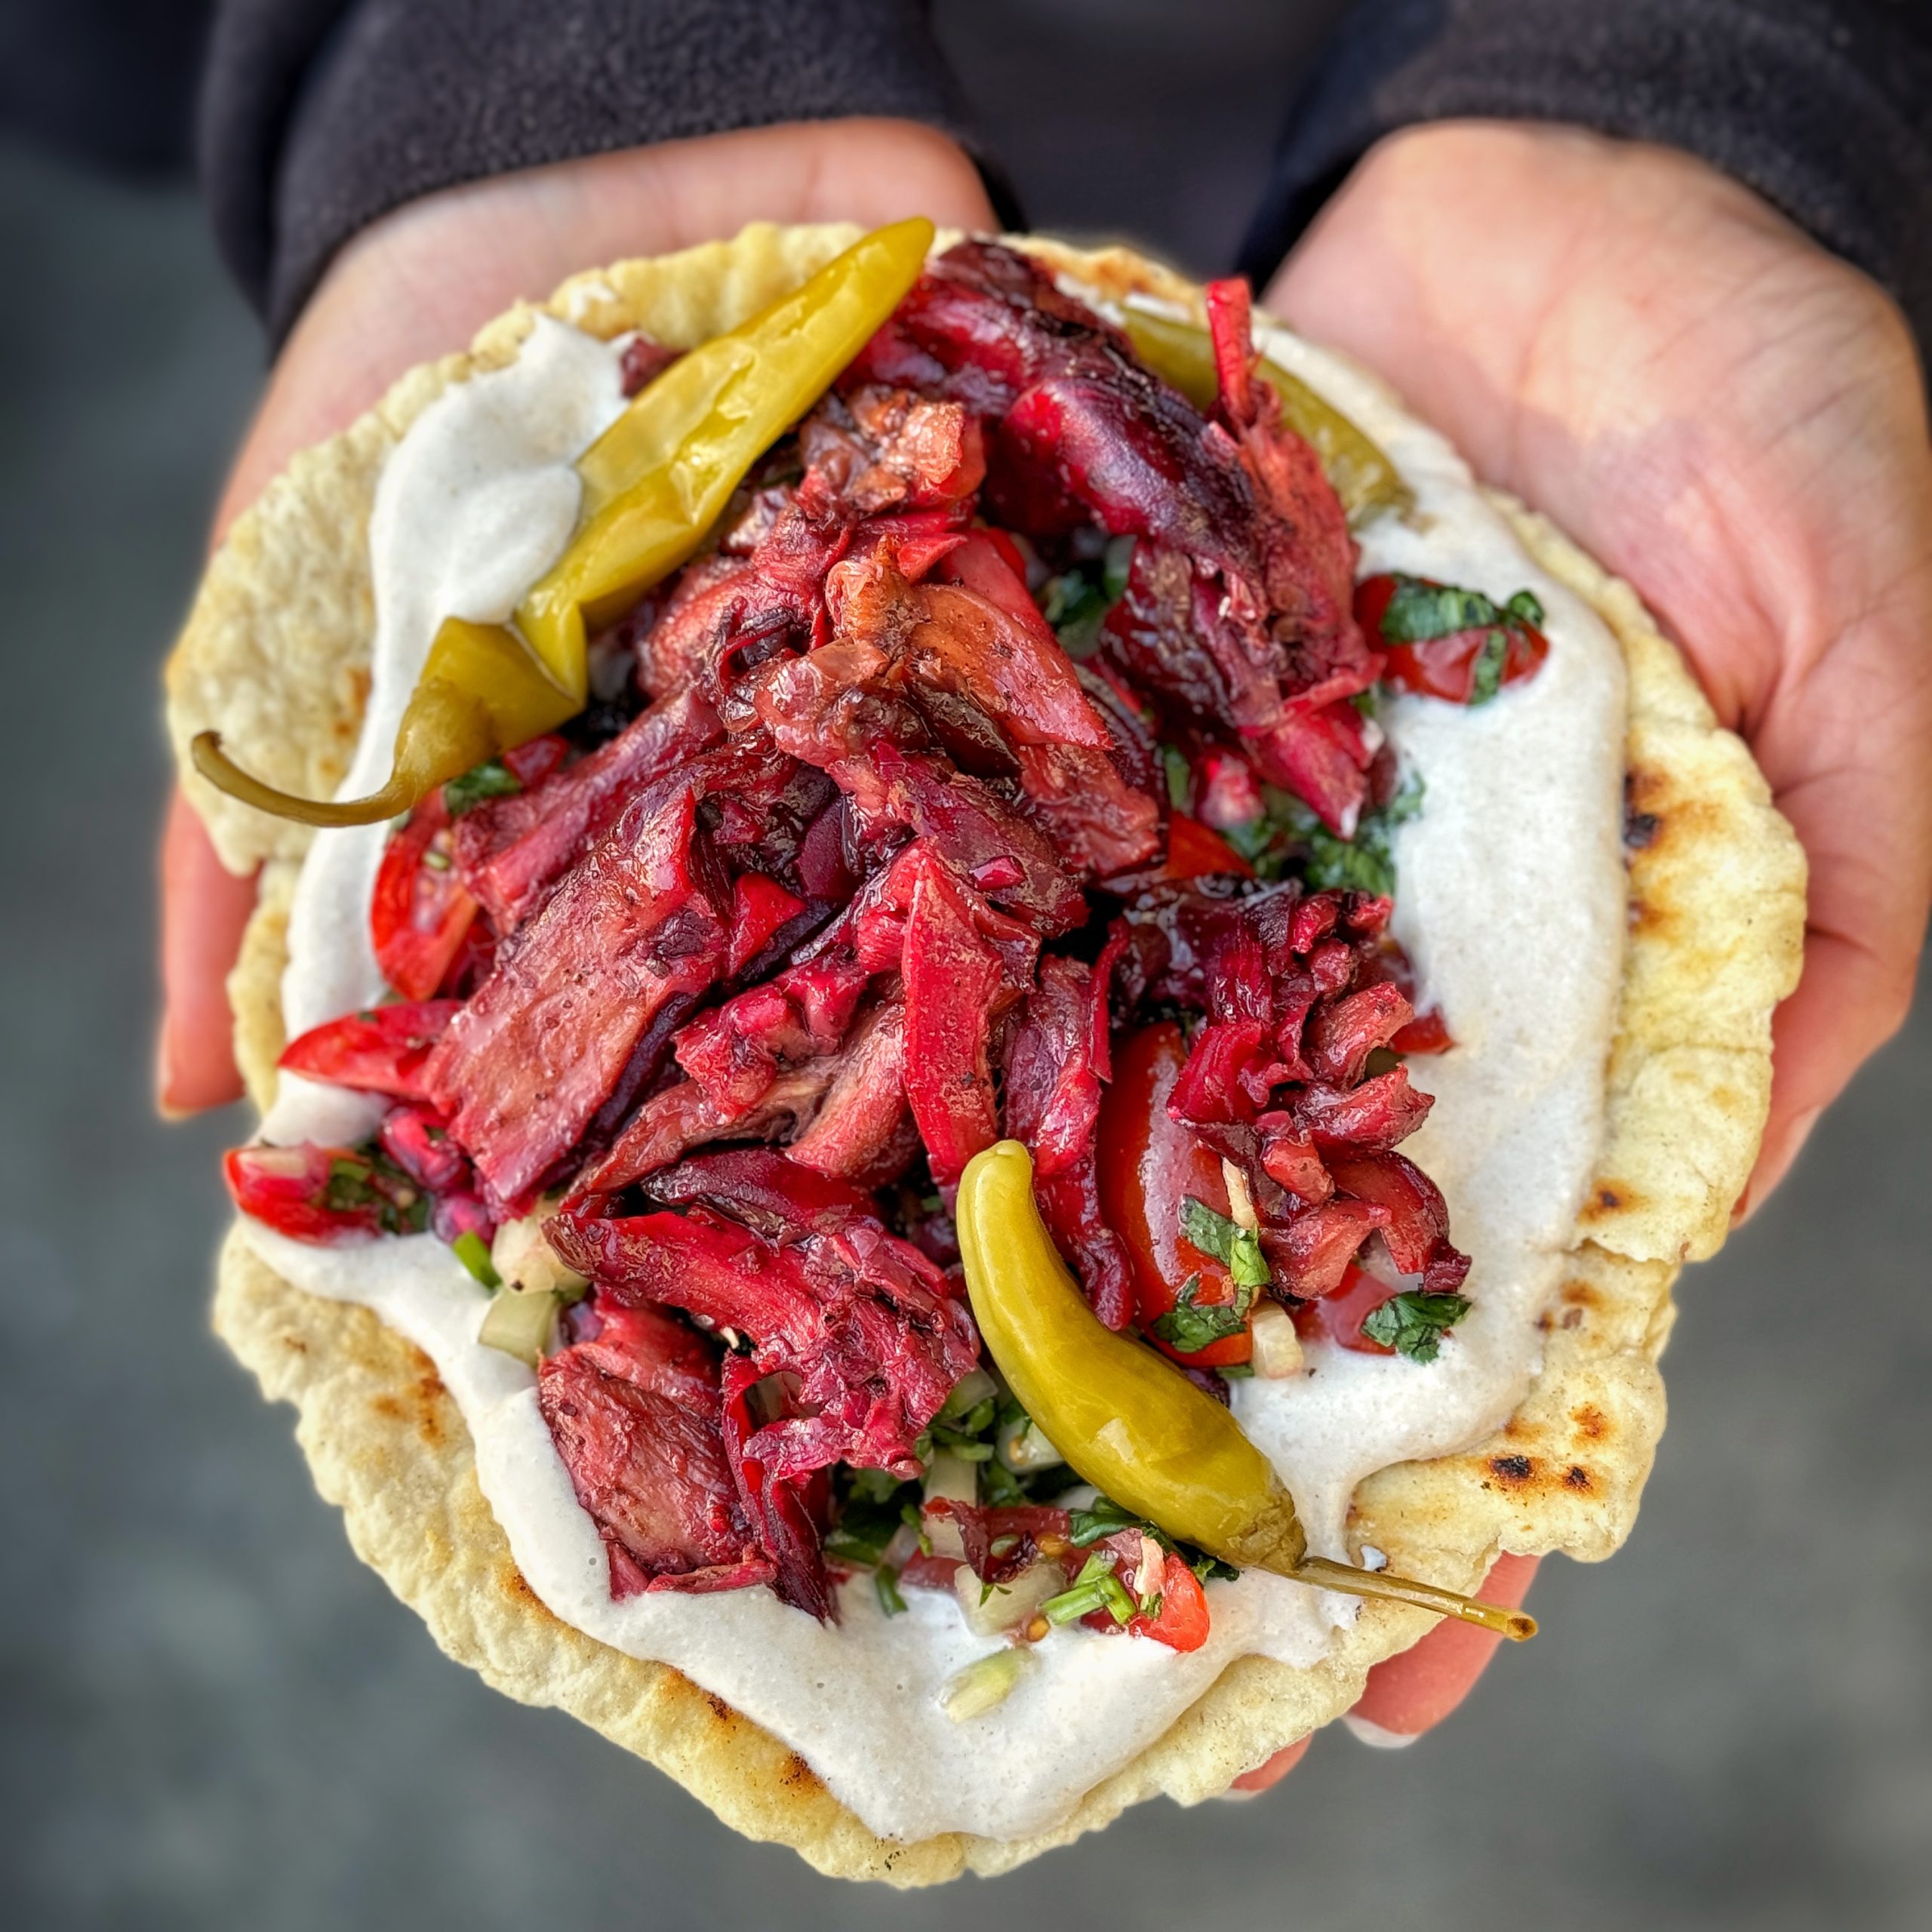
1511, 906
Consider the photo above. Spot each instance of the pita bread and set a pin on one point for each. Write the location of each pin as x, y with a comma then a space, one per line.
275, 655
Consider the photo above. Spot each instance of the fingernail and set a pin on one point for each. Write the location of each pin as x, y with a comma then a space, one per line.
163, 1076
1375, 1736
1772, 1168
1266, 1777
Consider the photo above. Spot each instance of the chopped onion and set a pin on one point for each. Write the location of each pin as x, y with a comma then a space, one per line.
1009, 1604
984, 1684
968, 1392
1240, 1201
522, 1256
1153, 1567
1023, 1447
956, 1481
520, 1323
1277, 1346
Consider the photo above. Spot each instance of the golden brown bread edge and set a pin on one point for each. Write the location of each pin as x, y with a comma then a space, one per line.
275, 655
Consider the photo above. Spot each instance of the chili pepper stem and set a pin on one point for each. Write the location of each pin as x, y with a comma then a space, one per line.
225, 775
1518, 1625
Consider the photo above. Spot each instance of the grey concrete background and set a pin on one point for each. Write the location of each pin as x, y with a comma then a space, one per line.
214, 1716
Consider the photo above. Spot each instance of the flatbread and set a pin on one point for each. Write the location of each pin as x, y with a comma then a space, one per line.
275, 655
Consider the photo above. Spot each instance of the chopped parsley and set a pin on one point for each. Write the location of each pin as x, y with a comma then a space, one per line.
876, 1505
885, 1581
1077, 602
872, 1504
999, 1487
1103, 1517
1288, 837
1238, 1248
492, 779
970, 1430
967, 1438
1413, 1324
1486, 673
1418, 612
877, 1485
965, 1423
1191, 1325
368, 1178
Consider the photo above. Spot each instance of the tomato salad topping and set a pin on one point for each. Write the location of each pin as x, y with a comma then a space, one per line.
1005, 765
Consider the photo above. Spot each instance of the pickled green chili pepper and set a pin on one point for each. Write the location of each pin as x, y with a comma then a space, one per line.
653, 483
1128, 1421
1365, 480
480, 693
658, 478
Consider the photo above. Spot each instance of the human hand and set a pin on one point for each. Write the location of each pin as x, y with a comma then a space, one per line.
420, 283
1732, 419
1727, 417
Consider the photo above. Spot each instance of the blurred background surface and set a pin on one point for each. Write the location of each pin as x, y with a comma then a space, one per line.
213, 1716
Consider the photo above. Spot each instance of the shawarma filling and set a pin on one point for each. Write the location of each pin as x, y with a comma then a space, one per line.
1005, 764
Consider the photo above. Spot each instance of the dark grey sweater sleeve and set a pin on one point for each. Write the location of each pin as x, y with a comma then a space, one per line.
319, 115
1824, 107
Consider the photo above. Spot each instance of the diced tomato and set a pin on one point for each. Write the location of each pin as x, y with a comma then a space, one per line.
1182, 1621
1426, 1033
1196, 850
532, 762
759, 907
288, 1188
462, 1211
1372, 596
421, 912
1444, 667
1149, 1164
1226, 790
379, 1050
929, 1573
417, 1140
1339, 1317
